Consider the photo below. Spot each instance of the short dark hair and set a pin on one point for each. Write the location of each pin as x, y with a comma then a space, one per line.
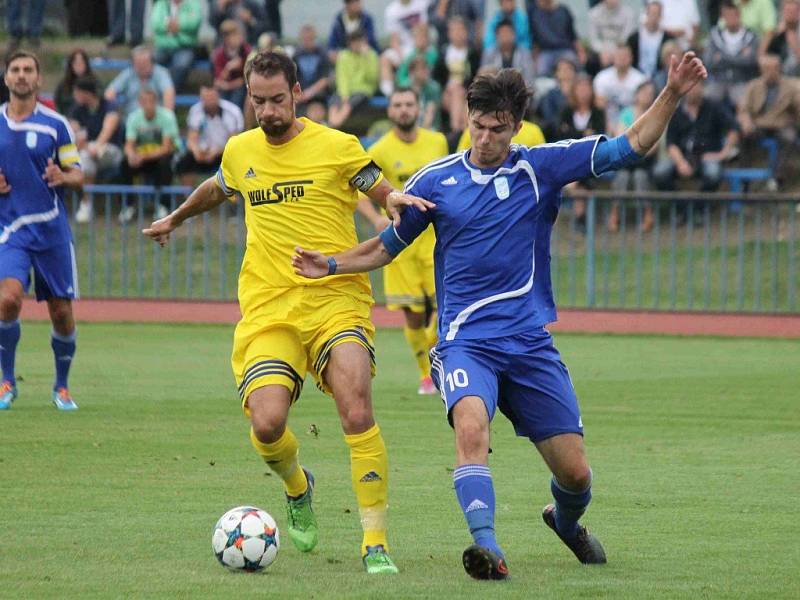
270, 62
86, 83
404, 90
729, 4
504, 91
22, 54
504, 23
356, 34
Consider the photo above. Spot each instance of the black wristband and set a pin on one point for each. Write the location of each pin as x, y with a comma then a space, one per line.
331, 265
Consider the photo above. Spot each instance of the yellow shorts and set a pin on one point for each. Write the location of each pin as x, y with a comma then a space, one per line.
408, 280
293, 334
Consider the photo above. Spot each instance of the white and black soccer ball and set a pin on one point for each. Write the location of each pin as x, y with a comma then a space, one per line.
245, 539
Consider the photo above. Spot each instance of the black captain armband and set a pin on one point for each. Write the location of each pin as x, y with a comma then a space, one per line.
366, 177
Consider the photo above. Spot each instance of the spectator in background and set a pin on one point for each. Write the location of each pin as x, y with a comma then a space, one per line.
357, 73
557, 98
553, 34
210, 123
151, 139
700, 137
117, 18
400, 18
785, 42
176, 24
731, 56
15, 27
457, 65
681, 19
313, 71
351, 19
770, 107
508, 55
423, 48
143, 73
759, 15
647, 43
615, 86
96, 125
611, 23
580, 118
637, 176
228, 61
508, 11
668, 48
429, 94
249, 13
472, 11
77, 65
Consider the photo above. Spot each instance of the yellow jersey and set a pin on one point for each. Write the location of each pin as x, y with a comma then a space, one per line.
295, 194
530, 135
399, 160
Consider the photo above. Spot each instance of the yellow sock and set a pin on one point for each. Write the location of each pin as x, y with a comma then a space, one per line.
432, 330
418, 341
369, 467
281, 457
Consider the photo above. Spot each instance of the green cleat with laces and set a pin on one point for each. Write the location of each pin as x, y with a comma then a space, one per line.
303, 529
376, 560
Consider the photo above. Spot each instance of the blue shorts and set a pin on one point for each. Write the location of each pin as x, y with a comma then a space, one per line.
55, 271
522, 375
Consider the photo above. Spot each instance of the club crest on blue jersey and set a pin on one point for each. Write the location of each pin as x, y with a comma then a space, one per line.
501, 187
31, 139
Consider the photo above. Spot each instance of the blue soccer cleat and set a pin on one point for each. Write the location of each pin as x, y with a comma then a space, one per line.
63, 400
8, 393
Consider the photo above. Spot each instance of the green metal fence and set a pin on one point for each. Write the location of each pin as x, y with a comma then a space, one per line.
705, 252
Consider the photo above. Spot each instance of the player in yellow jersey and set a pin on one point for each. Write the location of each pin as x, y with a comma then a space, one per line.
529, 135
409, 280
299, 183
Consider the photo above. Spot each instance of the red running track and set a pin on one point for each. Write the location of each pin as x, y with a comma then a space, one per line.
571, 320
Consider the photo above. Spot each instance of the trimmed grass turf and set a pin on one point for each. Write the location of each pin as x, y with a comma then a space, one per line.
694, 445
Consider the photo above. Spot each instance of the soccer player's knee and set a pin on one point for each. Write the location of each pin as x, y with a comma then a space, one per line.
357, 418
576, 479
10, 304
267, 427
471, 435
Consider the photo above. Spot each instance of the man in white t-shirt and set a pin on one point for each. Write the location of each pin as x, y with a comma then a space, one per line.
647, 41
681, 19
615, 87
400, 18
210, 123
610, 24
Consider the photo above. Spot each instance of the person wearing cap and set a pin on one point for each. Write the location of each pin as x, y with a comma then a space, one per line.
95, 121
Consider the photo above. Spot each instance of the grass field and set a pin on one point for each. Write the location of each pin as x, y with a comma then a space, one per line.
694, 445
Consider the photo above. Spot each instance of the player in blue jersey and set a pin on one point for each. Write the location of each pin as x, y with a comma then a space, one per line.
38, 157
493, 208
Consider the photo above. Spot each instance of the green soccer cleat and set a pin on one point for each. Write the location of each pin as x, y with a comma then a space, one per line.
376, 560
303, 530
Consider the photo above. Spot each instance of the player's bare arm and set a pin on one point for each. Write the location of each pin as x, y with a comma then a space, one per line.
68, 176
395, 202
683, 75
367, 210
367, 256
204, 198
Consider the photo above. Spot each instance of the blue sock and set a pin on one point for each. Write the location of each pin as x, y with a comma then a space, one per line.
63, 349
9, 336
475, 493
569, 507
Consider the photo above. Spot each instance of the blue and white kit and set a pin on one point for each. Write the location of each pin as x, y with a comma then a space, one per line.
493, 287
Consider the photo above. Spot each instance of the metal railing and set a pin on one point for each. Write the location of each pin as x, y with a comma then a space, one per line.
704, 252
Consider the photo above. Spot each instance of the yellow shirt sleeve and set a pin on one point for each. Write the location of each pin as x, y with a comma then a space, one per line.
464, 141
225, 177
353, 159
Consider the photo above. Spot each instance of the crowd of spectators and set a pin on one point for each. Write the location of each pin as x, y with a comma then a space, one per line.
600, 84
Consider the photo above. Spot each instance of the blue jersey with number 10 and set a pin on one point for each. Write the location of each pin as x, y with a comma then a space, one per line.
493, 227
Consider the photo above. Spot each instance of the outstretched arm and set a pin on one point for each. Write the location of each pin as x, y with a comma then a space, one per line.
204, 198
367, 256
683, 75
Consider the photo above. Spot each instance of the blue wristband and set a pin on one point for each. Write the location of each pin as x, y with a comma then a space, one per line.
331, 265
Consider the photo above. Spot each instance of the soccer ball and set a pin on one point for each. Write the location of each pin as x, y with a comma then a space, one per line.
245, 538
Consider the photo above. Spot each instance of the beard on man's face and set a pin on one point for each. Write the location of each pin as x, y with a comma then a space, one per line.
275, 129
405, 124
